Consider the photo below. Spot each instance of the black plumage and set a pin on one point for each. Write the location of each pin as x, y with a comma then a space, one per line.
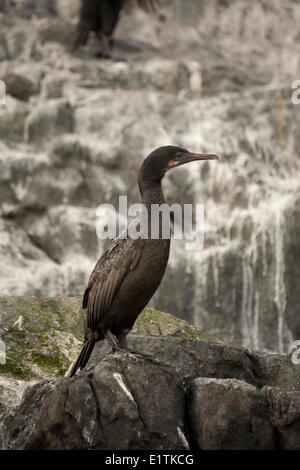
130, 270
101, 17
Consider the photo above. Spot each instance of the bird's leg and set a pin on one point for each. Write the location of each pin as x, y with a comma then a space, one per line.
122, 340
105, 45
122, 345
121, 337
112, 341
81, 36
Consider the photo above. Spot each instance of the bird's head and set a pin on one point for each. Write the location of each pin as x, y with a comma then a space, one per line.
163, 159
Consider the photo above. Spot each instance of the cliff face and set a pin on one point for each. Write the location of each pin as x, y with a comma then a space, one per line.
213, 77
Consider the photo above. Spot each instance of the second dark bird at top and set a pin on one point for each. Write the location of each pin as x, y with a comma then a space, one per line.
101, 17
130, 270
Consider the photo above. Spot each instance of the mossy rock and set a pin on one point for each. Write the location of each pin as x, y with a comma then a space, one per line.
43, 335
154, 322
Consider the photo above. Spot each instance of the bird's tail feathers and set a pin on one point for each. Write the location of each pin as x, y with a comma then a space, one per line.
83, 356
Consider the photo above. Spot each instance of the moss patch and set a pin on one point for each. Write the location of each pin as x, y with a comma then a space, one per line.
154, 322
44, 335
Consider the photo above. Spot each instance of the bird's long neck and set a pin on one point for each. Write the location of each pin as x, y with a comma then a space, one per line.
152, 198
152, 194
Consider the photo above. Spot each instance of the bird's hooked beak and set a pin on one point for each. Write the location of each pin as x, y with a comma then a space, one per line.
182, 158
191, 157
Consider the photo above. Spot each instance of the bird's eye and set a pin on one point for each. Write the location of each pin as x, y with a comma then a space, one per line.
178, 155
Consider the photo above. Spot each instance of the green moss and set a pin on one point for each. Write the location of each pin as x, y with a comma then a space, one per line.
51, 361
44, 335
16, 367
154, 322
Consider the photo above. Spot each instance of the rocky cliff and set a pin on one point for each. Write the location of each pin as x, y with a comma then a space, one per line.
213, 77
180, 391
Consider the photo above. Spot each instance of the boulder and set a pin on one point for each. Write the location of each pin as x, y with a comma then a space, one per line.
229, 414
126, 403
285, 407
19, 86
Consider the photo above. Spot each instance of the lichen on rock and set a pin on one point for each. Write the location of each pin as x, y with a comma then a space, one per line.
44, 335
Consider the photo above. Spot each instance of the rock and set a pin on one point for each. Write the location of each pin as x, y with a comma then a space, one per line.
207, 357
170, 83
228, 414
203, 394
119, 410
65, 227
29, 8
69, 150
12, 119
68, 8
52, 88
48, 120
42, 335
285, 408
55, 30
19, 87
169, 76
11, 392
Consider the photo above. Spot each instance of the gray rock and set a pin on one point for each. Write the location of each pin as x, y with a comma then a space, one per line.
69, 150
201, 358
19, 86
12, 119
135, 402
11, 392
187, 392
52, 87
65, 227
48, 119
112, 408
55, 30
285, 408
229, 415
29, 8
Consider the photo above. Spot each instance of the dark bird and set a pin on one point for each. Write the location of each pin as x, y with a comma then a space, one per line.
101, 17
130, 270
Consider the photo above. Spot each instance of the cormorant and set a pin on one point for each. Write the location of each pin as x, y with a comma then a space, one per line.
101, 16
130, 270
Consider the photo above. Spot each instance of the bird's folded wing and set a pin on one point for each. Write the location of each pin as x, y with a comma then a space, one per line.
121, 257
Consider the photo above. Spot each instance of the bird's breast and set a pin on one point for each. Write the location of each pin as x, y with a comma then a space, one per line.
140, 284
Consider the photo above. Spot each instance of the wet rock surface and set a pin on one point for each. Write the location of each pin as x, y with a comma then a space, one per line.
219, 81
